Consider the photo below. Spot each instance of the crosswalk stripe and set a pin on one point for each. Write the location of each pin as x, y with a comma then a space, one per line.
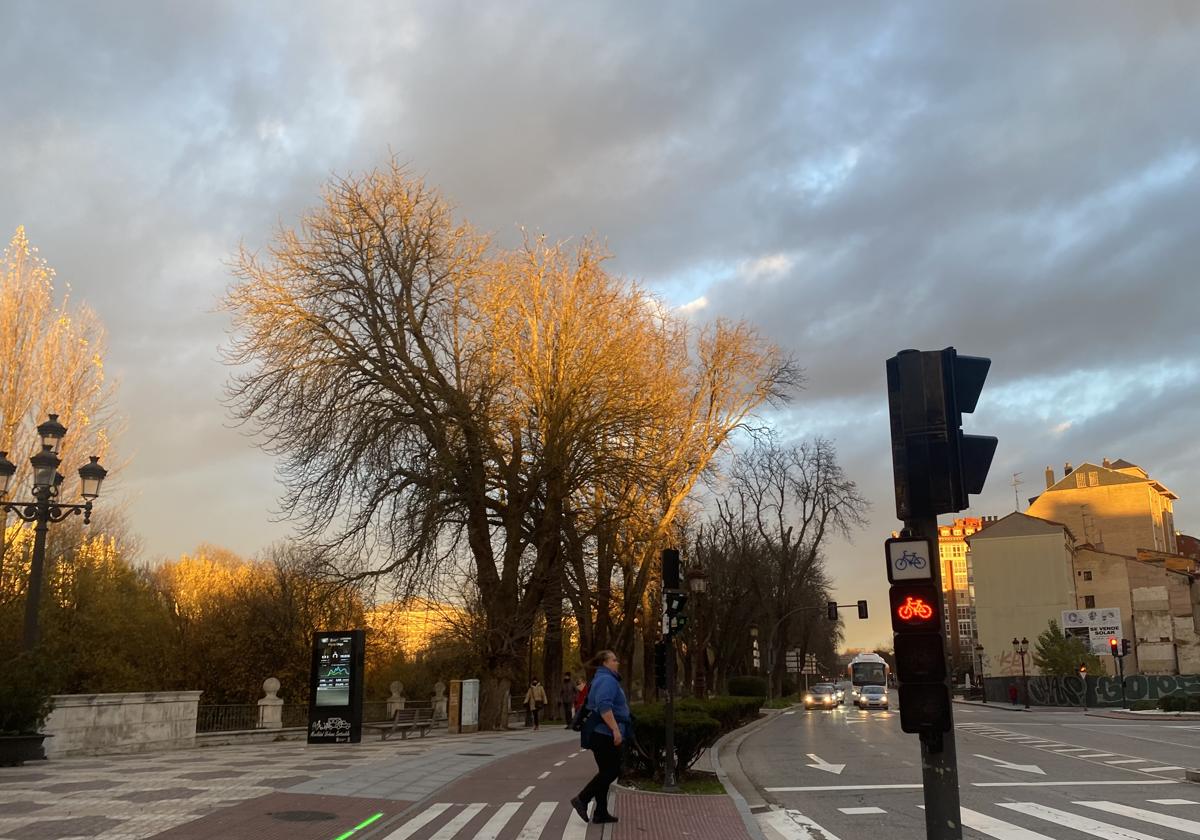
1073, 749
1102, 830
576, 828
998, 829
1097, 755
418, 822
459, 822
491, 830
537, 821
1173, 801
1159, 769
1127, 761
1166, 820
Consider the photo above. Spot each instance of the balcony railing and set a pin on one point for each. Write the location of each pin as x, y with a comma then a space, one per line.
240, 718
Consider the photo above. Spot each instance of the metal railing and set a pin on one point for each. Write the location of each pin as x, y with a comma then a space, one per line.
243, 717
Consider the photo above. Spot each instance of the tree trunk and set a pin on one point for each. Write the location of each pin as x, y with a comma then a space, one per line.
552, 641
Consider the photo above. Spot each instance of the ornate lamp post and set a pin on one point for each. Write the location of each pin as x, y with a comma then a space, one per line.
1020, 649
44, 509
982, 678
697, 582
754, 657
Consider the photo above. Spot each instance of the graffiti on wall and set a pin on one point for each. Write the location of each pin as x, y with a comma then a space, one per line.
1101, 691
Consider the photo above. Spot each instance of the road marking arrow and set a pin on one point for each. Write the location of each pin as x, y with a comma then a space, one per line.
1008, 765
821, 764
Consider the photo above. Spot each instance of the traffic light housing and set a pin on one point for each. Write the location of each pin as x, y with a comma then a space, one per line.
916, 612
1126, 647
831, 608
936, 467
862, 609
660, 665
1114, 646
674, 604
670, 568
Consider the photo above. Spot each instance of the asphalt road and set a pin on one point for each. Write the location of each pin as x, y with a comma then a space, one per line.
847, 774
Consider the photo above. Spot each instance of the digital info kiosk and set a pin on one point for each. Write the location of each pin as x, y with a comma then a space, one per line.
335, 695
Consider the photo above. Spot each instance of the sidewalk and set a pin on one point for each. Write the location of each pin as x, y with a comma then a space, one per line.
276, 790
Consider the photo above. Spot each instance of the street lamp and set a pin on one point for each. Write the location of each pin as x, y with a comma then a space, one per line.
44, 509
982, 678
697, 582
754, 657
1020, 649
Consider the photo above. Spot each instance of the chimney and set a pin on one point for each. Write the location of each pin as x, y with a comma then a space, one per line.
1049, 477
1067, 469
1107, 463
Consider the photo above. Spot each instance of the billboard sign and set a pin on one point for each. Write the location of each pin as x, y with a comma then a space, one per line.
1094, 627
336, 687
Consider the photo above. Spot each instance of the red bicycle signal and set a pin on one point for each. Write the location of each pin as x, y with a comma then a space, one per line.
914, 608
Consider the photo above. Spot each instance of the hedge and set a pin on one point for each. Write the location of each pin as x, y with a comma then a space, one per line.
748, 687
698, 725
1180, 703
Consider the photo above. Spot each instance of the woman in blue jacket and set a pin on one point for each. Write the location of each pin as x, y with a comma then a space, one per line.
603, 733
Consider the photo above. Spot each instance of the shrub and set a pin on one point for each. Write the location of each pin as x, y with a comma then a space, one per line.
730, 712
695, 732
1193, 703
24, 696
1174, 703
1143, 705
748, 687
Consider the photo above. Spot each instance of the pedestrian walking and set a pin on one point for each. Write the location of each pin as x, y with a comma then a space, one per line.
581, 691
605, 729
566, 697
1012, 693
535, 699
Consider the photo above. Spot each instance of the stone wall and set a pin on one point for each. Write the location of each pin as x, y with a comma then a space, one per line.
1101, 691
91, 724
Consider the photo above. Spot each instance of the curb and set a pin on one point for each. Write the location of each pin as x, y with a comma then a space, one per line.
1005, 706
731, 789
1119, 715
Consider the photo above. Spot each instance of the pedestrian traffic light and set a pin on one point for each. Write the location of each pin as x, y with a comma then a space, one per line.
936, 467
670, 568
673, 605
831, 610
920, 657
862, 609
1113, 647
660, 665
1126, 647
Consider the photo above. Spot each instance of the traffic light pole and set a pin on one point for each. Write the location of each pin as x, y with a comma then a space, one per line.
939, 759
669, 719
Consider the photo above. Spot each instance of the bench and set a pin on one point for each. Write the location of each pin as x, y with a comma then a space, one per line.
404, 721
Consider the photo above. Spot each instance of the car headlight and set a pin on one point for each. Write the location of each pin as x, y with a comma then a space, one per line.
808, 698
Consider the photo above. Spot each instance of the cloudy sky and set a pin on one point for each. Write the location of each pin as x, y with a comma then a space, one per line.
1019, 180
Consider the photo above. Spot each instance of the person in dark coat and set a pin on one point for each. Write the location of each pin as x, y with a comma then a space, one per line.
1012, 693
603, 734
566, 698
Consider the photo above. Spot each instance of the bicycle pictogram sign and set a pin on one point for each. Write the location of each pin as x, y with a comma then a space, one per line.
910, 558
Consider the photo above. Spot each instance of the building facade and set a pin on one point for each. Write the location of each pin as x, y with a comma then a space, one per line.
958, 592
1115, 507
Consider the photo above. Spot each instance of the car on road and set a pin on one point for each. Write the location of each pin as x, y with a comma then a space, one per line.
872, 697
821, 696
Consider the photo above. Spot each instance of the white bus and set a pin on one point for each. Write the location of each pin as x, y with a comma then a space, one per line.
867, 669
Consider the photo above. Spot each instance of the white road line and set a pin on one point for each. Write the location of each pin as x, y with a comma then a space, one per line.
1178, 823
870, 810
1102, 830
1173, 801
1096, 755
537, 821
418, 822
841, 787
576, 828
459, 822
1073, 749
544, 775
1159, 769
999, 829
525, 792
785, 714
1075, 784
572, 755
491, 830
559, 763
1127, 761
792, 825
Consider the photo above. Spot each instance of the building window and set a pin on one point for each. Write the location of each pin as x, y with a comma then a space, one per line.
1089, 602
1087, 575
964, 628
1093, 479
1080, 480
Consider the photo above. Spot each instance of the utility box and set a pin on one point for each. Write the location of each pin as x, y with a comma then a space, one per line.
335, 690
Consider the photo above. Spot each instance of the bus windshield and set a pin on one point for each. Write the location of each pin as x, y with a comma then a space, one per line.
868, 673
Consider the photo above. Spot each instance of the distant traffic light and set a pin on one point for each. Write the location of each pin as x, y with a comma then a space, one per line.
862, 609
670, 568
936, 467
673, 605
831, 610
1114, 646
1126, 647
660, 665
